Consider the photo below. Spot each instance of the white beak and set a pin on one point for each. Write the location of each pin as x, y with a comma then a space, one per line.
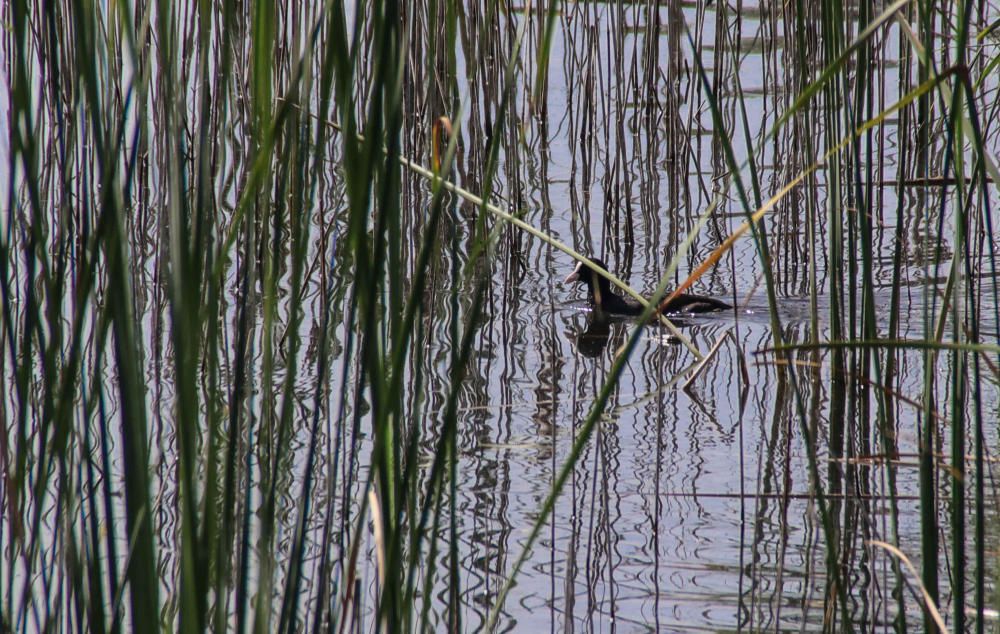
574, 276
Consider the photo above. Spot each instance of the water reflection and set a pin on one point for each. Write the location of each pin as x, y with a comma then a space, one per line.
592, 340
694, 505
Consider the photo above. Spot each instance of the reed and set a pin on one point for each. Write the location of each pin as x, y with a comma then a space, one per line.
261, 262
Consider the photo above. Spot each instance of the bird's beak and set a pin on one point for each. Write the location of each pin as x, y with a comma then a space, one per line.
572, 277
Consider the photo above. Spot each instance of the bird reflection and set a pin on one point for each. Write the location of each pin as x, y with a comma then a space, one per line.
592, 340
601, 327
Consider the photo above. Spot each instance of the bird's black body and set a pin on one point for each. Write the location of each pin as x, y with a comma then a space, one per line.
600, 295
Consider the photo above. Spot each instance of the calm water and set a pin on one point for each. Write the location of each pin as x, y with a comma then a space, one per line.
691, 507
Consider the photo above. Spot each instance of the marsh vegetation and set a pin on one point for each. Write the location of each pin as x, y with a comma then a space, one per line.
286, 347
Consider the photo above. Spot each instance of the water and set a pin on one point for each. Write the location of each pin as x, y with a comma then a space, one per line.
692, 507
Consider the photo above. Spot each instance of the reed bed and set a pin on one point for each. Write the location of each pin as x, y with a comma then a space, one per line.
276, 276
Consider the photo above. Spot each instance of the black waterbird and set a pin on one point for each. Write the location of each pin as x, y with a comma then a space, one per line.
600, 295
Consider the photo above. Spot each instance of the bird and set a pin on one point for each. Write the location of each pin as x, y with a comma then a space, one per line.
600, 295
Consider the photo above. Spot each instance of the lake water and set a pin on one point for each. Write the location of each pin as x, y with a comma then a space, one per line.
691, 508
